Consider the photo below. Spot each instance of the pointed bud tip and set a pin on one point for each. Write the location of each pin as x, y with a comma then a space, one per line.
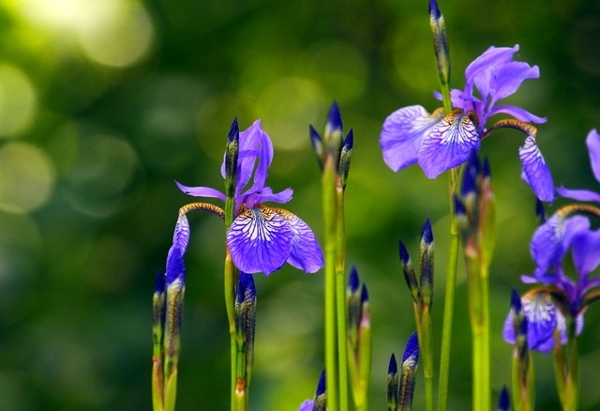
353, 280
434, 10
412, 348
404, 257
334, 120
364, 294
322, 385
427, 233
159, 284
504, 401
234, 131
393, 365
349, 141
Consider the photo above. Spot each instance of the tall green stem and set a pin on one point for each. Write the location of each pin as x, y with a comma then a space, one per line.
340, 298
480, 328
449, 298
230, 275
331, 336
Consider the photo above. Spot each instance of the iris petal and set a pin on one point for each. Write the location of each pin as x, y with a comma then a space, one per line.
402, 134
181, 235
535, 171
479, 72
593, 144
305, 254
201, 191
585, 255
579, 195
448, 145
259, 240
507, 78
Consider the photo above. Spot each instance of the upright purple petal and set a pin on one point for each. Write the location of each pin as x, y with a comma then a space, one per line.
402, 134
593, 144
201, 191
479, 71
535, 171
448, 144
251, 141
306, 253
259, 240
508, 77
264, 160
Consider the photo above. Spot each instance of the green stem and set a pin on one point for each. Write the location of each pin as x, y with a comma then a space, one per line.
331, 346
480, 328
449, 300
427, 357
340, 298
570, 398
230, 275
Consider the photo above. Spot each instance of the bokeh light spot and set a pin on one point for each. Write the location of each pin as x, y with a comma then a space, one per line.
111, 32
27, 178
17, 100
285, 104
103, 169
340, 68
122, 40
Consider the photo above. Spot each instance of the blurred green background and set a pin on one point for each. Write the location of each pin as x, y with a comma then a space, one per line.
104, 103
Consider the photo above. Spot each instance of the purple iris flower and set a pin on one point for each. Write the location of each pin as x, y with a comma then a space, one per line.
440, 141
547, 306
593, 144
262, 238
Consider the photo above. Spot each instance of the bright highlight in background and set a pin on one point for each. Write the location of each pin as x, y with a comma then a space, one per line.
26, 178
110, 32
17, 100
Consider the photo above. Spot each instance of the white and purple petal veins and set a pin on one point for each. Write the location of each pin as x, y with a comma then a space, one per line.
305, 254
448, 144
402, 134
259, 240
535, 171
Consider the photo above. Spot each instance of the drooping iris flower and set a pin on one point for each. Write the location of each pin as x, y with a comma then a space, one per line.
262, 238
440, 141
561, 298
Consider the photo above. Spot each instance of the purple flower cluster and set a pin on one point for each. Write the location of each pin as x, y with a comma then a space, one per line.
560, 297
440, 141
